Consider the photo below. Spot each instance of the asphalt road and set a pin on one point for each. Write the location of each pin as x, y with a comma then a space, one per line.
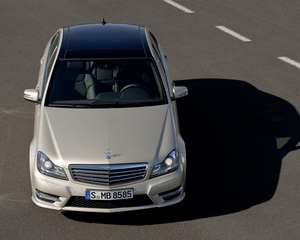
240, 121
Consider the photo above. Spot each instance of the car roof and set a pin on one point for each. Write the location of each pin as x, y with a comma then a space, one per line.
104, 40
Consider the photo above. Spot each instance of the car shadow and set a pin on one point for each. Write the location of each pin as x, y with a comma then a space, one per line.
236, 138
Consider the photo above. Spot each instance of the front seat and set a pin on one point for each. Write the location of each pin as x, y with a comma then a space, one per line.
76, 83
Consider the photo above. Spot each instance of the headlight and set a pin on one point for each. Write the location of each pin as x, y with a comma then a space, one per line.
47, 167
170, 164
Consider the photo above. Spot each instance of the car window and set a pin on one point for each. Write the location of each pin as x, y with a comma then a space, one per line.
106, 83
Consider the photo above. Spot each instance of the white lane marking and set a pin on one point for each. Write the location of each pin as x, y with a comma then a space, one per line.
234, 34
290, 61
182, 8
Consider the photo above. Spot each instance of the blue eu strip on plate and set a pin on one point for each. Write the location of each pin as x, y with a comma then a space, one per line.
87, 195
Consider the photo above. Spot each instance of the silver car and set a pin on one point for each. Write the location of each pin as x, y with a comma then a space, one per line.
106, 133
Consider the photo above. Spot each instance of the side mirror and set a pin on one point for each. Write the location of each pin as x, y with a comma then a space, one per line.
31, 95
180, 92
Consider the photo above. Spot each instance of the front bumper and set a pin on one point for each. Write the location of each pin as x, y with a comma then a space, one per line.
69, 195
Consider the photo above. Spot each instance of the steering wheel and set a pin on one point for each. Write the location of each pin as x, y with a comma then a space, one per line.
134, 85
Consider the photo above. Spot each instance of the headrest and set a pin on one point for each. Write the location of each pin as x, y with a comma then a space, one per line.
77, 66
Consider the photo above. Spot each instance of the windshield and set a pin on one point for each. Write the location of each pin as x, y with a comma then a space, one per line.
105, 83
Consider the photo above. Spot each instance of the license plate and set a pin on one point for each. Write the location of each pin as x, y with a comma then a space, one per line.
109, 195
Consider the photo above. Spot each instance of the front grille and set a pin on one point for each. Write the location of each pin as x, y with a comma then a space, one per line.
136, 201
108, 174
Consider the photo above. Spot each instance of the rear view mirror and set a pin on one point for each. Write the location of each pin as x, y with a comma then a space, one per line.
31, 95
180, 92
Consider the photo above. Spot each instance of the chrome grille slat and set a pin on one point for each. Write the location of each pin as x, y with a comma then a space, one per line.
88, 175
86, 171
128, 178
92, 179
129, 171
108, 174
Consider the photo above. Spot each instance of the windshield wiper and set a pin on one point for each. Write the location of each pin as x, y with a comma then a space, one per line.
68, 105
103, 103
123, 104
119, 104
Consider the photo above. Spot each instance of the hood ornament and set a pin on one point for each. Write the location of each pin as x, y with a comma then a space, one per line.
109, 154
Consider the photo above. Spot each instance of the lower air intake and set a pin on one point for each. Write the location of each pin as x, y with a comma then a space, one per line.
137, 201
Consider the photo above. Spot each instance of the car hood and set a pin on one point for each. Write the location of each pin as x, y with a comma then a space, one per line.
107, 136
